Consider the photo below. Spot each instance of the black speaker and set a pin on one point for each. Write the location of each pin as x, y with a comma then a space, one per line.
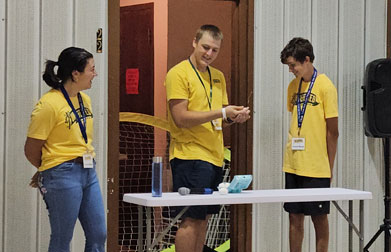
377, 98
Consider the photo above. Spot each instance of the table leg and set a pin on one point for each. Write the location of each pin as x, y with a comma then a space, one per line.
140, 229
350, 221
159, 237
148, 211
350, 226
361, 224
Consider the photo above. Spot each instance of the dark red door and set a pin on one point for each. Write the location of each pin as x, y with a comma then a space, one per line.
137, 56
136, 95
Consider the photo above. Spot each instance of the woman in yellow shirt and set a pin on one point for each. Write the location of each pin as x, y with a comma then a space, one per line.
59, 144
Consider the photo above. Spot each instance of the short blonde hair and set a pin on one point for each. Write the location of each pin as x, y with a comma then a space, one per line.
213, 30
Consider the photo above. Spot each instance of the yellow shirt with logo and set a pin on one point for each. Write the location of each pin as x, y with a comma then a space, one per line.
322, 104
52, 120
201, 142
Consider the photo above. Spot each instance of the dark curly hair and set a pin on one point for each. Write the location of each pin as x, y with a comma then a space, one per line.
298, 48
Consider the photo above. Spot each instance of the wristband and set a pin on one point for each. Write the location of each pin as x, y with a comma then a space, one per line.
224, 114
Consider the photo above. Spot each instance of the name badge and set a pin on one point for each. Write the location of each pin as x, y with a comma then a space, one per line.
88, 161
298, 143
217, 125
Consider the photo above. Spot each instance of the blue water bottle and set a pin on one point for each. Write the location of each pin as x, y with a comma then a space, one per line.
157, 175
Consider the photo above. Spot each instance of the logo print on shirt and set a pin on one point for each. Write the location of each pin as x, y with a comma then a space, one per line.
70, 117
311, 99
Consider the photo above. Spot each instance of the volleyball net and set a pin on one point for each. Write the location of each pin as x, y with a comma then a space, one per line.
141, 138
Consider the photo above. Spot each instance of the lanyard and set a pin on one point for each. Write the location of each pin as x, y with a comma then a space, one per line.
301, 112
210, 79
82, 125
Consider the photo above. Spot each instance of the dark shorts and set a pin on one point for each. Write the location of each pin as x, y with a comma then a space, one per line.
293, 181
195, 174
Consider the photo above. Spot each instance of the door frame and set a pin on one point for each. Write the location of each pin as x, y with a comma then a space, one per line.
241, 135
113, 124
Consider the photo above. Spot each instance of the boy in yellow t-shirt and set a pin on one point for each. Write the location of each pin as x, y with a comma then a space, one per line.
312, 140
198, 106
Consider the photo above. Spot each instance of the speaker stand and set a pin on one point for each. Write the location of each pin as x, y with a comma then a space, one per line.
386, 226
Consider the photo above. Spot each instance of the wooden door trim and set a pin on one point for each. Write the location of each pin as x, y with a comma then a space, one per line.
113, 124
242, 135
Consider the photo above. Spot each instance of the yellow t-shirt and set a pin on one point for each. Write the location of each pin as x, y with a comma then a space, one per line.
53, 120
322, 104
201, 142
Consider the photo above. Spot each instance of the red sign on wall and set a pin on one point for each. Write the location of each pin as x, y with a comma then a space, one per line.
132, 79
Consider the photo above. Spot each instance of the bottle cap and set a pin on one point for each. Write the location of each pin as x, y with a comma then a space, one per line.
157, 159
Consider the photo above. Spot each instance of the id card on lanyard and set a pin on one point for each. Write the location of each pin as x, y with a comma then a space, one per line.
298, 143
215, 123
88, 161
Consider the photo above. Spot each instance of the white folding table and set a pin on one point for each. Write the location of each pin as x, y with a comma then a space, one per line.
250, 197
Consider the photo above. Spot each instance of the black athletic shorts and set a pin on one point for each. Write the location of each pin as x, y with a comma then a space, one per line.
293, 181
195, 174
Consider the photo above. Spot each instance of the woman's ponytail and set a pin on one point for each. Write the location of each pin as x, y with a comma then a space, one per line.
49, 76
70, 59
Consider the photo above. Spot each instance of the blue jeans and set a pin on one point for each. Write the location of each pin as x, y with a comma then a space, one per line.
71, 192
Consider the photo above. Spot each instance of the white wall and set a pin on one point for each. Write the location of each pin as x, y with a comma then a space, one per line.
31, 32
346, 35
2, 113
